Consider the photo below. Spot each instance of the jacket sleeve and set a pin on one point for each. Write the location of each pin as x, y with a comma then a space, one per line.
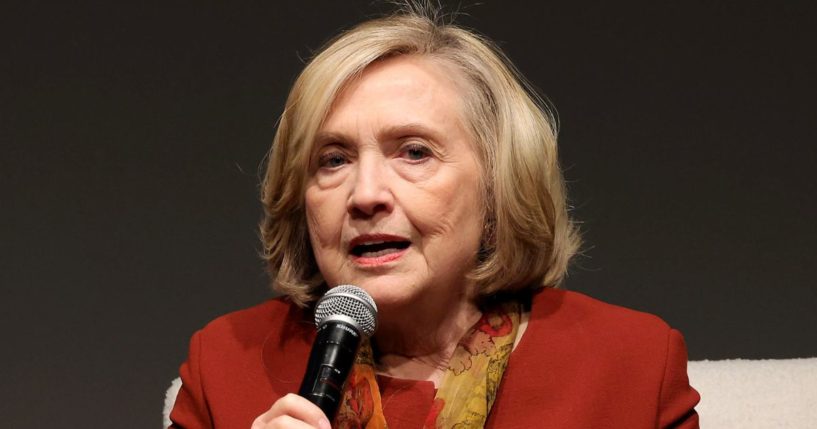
677, 402
190, 410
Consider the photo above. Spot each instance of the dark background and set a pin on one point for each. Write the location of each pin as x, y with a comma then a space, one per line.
132, 137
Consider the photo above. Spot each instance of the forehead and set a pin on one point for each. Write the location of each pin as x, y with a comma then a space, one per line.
399, 91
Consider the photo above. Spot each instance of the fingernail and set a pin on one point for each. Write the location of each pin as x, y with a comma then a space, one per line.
324, 424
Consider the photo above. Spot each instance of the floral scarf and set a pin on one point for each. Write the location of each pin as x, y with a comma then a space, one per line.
468, 387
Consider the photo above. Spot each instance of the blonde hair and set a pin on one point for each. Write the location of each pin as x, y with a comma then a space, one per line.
529, 237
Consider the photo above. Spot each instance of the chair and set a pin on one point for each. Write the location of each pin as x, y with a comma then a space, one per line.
748, 394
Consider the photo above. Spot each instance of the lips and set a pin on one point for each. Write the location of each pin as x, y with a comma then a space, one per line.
374, 249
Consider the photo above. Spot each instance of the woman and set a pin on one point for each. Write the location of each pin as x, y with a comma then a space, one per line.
412, 161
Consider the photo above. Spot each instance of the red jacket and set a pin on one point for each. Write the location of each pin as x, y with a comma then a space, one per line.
581, 363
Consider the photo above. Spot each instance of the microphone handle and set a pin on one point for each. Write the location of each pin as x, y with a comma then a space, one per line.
330, 361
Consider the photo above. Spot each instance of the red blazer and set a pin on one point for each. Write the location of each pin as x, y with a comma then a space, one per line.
581, 363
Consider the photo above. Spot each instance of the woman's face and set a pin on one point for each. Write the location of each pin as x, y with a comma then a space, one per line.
393, 199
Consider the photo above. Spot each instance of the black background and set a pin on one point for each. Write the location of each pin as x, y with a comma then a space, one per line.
132, 137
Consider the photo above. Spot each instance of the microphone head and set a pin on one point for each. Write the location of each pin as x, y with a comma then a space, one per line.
350, 304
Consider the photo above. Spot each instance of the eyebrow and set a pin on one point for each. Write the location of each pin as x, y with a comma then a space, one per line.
407, 129
391, 132
324, 137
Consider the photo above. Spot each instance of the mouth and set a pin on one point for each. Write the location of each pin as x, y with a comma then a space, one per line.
377, 249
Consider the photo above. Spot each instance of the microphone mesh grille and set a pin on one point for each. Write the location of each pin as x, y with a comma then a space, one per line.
350, 301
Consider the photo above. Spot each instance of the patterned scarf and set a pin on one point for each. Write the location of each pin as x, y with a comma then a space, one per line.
468, 387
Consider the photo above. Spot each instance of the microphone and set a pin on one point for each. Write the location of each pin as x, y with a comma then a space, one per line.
345, 315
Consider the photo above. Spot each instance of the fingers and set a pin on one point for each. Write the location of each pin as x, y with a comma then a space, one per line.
282, 422
292, 411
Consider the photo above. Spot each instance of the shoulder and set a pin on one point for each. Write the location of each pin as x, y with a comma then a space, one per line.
241, 362
250, 326
587, 339
574, 310
585, 328
579, 353
257, 344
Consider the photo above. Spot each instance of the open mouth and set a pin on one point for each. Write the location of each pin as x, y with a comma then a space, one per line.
379, 248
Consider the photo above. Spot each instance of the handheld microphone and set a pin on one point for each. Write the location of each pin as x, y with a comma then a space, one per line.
345, 315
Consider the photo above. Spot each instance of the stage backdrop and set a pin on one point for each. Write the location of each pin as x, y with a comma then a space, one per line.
132, 137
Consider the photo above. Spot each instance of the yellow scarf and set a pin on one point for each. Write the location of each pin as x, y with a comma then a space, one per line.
468, 387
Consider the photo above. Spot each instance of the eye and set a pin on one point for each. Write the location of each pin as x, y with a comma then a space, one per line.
332, 160
415, 152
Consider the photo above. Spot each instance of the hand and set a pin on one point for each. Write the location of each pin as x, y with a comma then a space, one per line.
292, 411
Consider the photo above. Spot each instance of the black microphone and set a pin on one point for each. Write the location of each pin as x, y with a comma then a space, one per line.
345, 315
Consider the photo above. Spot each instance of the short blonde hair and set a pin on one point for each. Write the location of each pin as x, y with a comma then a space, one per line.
529, 237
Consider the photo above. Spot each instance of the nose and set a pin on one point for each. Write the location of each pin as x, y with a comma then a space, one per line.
371, 193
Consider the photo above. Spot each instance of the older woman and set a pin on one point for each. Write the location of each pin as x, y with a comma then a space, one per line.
412, 161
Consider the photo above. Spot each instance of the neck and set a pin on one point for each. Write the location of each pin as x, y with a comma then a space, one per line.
418, 342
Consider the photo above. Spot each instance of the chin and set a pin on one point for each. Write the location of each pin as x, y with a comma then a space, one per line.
389, 292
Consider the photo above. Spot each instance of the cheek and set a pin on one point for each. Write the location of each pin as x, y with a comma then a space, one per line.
468, 221
452, 211
322, 226
467, 211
